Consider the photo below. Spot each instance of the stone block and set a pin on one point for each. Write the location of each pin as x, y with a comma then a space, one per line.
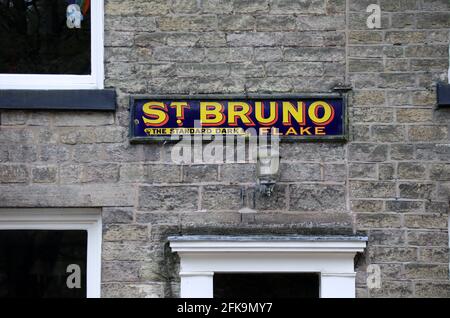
392, 254
428, 238
168, 198
317, 197
417, 190
112, 215
411, 170
13, 173
113, 271
100, 173
367, 152
162, 173
221, 197
296, 171
426, 221
372, 189
125, 232
426, 271
44, 174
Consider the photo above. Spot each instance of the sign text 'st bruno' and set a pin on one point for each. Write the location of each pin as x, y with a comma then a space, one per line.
291, 117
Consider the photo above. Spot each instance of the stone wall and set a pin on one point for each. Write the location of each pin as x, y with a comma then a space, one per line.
391, 181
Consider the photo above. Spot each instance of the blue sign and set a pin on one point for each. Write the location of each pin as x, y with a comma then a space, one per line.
289, 117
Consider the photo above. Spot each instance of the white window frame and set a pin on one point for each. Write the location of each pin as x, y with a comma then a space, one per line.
331, 257
64, 219
48, 81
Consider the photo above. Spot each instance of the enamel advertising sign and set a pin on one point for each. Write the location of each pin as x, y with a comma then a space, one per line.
289, 117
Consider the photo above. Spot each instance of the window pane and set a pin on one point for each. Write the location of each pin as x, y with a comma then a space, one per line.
270, 285
33, 263
35, 38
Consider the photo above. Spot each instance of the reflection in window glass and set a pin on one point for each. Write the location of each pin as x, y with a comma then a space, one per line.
35, 38
266, 285
34, 263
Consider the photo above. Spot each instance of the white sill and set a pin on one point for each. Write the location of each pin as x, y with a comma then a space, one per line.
35, 81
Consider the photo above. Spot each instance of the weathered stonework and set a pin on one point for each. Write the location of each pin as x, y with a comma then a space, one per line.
390, 181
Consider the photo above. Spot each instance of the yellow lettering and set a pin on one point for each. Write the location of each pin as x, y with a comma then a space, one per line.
211, 114
291, 131
264, 130
179, 108
328, 113
276, 132
155, 114
305, 130
320, 131
239, 110
260, 110
289, 111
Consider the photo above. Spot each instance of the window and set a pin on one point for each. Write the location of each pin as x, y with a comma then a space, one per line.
307, 266
266, 285
33, 263
41, 49
50, 253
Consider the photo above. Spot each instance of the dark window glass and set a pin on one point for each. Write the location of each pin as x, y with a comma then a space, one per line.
33, 263
35, 38
266, 285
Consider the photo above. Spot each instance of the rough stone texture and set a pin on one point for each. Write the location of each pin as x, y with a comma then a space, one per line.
390, 181
128, 232
13, 173
220, 197
316, 197
44, 174
168, 198
114, 215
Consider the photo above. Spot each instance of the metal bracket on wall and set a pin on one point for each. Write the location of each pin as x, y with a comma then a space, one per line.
342, 88
443, 95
